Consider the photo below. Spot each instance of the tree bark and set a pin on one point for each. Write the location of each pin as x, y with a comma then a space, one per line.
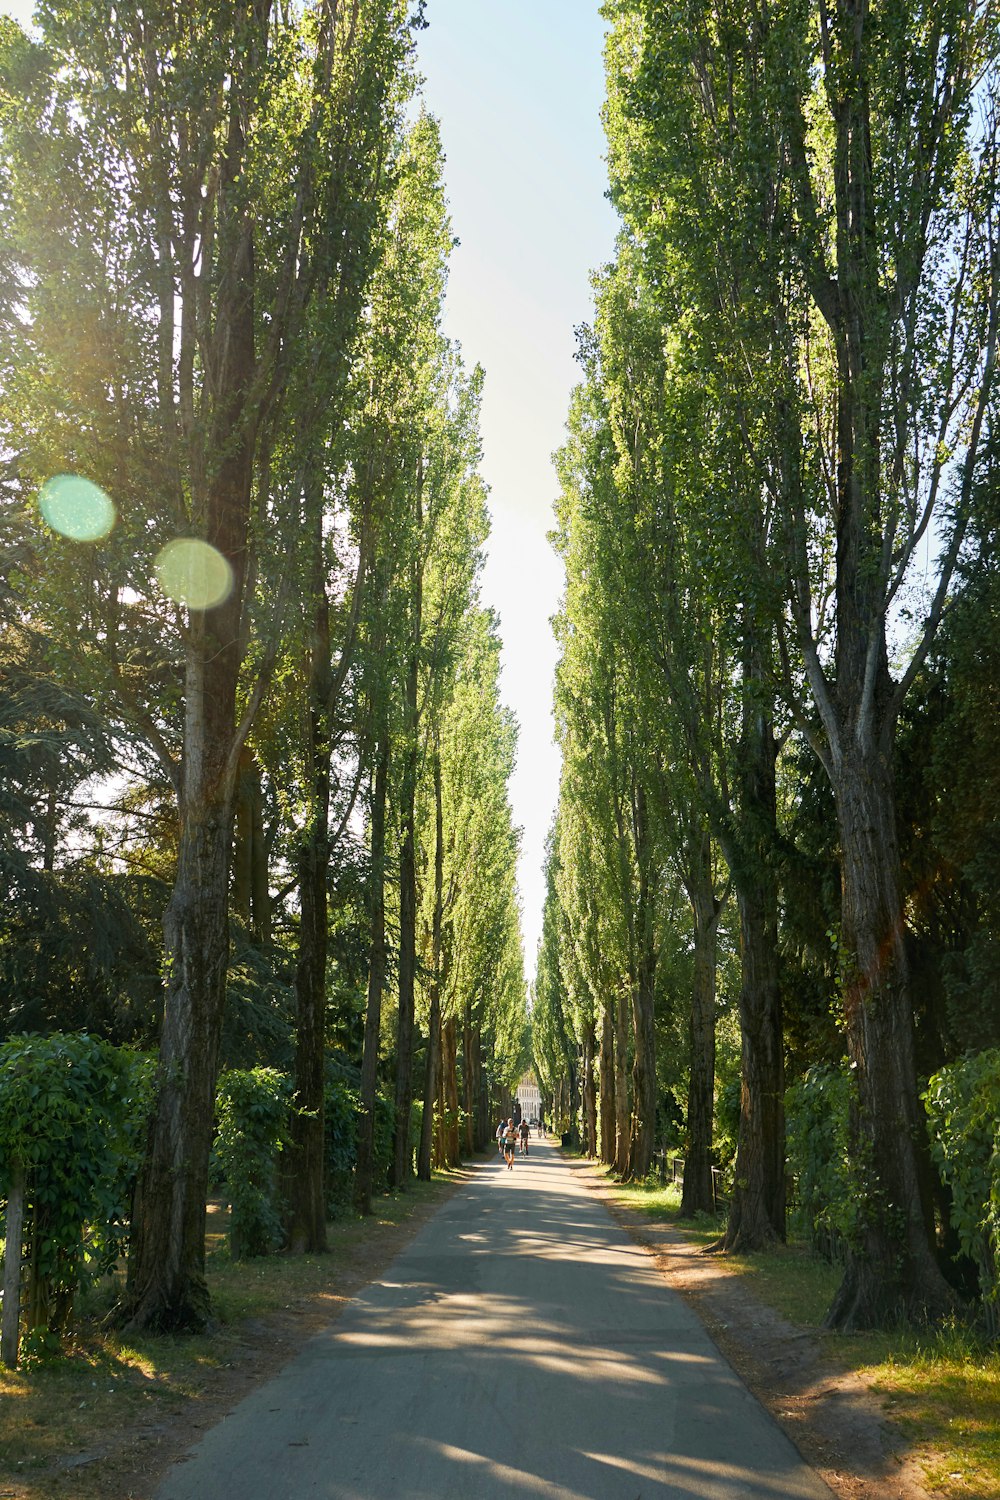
449, 1070
364, 1172
757, 1206
10, 1330
607, 1092
643, 998
401, 1165
589, 1090
303, 1161
434, 1023
697, 1195
166, 1288
621, 1087
426, 1153
891, 1273
260, 890
469, 1081
243, 840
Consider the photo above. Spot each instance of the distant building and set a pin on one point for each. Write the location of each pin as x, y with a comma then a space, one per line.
529, 1097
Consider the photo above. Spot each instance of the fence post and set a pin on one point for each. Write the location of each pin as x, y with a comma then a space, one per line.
10, 1327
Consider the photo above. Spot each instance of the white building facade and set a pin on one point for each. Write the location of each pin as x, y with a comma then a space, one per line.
529, 1097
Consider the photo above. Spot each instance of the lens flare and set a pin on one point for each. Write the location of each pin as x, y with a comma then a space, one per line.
76, 508
193, 573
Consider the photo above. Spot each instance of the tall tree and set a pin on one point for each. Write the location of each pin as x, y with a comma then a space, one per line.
193, 168
855, 153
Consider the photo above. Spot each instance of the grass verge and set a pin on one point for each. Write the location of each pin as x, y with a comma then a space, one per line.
65, 1424
940, 1386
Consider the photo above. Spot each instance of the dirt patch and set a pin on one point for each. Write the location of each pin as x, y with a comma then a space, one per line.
835, 1421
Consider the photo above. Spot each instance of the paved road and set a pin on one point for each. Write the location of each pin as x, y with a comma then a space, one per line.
522, 1346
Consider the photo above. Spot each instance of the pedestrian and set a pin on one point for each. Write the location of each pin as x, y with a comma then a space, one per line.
501, 1130
509, 1143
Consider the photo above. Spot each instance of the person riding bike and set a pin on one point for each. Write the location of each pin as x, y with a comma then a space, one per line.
524, 1133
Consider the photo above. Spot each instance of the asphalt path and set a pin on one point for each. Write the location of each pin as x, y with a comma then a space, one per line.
521, 1346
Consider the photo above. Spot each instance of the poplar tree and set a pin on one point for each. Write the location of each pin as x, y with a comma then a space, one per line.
824, 184
178, 197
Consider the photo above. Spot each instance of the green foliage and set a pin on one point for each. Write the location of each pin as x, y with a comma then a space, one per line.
341, 1104
963, 1108
253, 1107
817, 1111
73, 1110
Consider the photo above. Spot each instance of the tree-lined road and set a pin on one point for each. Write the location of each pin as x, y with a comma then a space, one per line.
521, 1346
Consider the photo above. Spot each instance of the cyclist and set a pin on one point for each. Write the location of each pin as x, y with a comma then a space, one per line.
524, 1132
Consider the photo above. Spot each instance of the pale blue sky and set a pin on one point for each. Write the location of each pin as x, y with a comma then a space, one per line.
517, 86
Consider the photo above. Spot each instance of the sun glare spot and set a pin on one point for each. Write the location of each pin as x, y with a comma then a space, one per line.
76, 508
193, 573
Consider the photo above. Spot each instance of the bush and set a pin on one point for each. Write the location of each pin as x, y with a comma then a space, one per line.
963, 1111
341, 1104
73, 1112
817, 1113
253, 1108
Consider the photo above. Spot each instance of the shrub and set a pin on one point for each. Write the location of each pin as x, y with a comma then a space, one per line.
253, 1108
963, 1111
73, 1112
817, 1112
341, 1108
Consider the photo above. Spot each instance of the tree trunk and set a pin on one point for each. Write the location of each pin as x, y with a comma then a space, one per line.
607, 1094
483, 1131
891, 1273
434, 1024
260, 891
622, 1121
364, 1172
303, 1170
697, 1196
401, 1164
429, 1151
243, 840
449, 1057
303, 1162
757, 1207
469, 1080
166, 1288
10, 1330
589, 1091
643, 1135
251, 894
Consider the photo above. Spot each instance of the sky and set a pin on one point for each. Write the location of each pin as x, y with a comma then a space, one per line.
517, 86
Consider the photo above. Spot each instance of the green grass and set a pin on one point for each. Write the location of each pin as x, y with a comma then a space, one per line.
662, 1204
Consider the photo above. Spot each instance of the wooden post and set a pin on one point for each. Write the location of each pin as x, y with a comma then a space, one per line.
10, 1328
